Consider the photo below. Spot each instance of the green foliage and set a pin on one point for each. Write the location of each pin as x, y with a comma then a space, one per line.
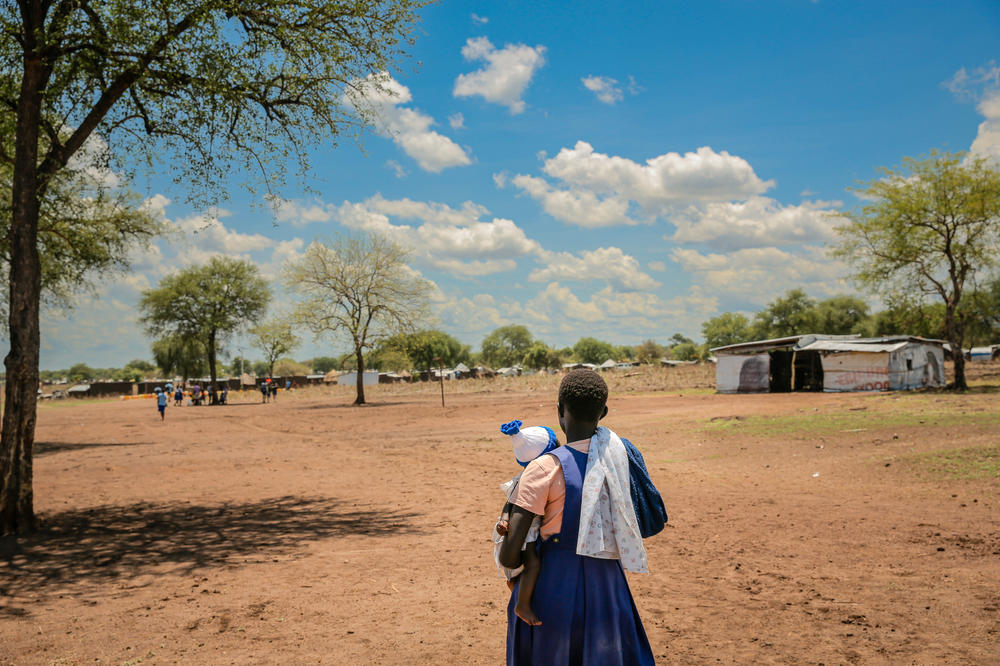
649, 352
841, 315
505, 346
87, 230
182, 355
325, 364
678, 339
388, 360
427, 349
592, 350
275, 338
260, 368
209, 303
685, 351
540, 356
80, 372
792, 314
240, 364
358, 288
728, 328
286, 367
928, 227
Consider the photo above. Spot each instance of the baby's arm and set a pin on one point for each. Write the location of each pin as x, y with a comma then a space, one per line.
510, 551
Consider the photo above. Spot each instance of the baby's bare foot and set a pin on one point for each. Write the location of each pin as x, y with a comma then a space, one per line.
524, 612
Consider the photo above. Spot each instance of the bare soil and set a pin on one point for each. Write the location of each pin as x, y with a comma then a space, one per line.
805, 528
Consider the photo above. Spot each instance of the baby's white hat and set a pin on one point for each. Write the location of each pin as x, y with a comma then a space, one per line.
530, 442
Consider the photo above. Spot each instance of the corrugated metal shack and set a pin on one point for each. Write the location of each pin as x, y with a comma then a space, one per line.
829, 363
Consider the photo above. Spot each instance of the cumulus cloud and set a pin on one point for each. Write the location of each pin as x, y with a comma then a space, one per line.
982, 86
758, 275
505, 76
457, 121
211, 236
576, 206
382, 96
604, 88
608, 264
454, 240
595, 189
757, 222
298, 213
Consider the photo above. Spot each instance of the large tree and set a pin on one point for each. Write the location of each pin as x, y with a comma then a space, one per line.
428, 349
182, 355
792, 314
208, 303
592, 350
927, 228
204, 85
506, 346
360, 289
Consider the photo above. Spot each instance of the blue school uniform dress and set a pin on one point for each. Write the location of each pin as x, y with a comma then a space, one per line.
587, 612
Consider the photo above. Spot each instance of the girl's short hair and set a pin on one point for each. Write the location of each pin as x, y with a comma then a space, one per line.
584, 393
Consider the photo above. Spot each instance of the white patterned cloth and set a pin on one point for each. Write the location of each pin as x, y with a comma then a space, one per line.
608, 526
508, 488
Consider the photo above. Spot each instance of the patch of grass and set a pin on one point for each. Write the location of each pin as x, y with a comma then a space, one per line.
809, 424
969, 463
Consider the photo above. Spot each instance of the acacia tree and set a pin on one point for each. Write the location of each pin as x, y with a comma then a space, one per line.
207, 84
275, 338
208, 303
928, 228
358, 288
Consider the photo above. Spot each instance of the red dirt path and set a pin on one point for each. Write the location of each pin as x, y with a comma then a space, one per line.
311, 531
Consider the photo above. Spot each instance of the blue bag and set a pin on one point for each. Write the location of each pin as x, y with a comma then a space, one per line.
649, 509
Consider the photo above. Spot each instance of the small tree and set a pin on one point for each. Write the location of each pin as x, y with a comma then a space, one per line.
325, 364
728, 328
648, 352
505, 346
592, 350
208, 303
540, 356
275, 338
360, 289
928, 228
792, 314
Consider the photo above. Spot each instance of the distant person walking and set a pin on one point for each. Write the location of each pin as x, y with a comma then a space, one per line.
264, 390
161, 402
178, 397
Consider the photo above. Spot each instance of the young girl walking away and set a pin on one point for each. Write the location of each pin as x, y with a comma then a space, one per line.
529, 443
590, 536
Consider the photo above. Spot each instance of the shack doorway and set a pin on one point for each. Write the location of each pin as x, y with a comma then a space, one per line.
781, 371
808, 367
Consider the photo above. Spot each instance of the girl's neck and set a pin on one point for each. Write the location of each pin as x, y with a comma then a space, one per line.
579, 431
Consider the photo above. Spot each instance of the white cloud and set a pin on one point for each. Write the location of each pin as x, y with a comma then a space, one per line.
576, 206
396, 168
207, 233
381, 95
507, 73
968, 86
479, 20
758, 275
987, 141
703, 175
658, 266
299, 214
605, 88
597, 190
457, 121
608, 264
757, 222
455, 240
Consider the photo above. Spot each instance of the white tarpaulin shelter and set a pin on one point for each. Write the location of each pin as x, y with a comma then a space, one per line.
830, 363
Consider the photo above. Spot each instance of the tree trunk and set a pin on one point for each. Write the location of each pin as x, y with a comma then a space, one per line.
17, 514
955, 338
211, 357
360, 400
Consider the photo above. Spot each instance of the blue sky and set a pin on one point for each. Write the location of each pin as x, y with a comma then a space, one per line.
609, 169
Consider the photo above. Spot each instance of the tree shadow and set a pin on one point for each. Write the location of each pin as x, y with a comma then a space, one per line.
84, 549
351, 405
46, 448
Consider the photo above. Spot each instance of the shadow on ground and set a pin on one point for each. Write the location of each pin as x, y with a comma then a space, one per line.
83, 549
45, 448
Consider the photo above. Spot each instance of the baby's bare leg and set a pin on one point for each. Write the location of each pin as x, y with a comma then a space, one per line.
526, 586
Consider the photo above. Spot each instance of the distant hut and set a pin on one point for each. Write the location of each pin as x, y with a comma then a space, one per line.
829, 363
610, 364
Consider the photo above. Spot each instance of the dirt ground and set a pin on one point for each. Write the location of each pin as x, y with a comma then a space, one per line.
804, 528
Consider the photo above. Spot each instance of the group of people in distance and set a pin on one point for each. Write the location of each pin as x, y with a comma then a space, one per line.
212, 395
567, 534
